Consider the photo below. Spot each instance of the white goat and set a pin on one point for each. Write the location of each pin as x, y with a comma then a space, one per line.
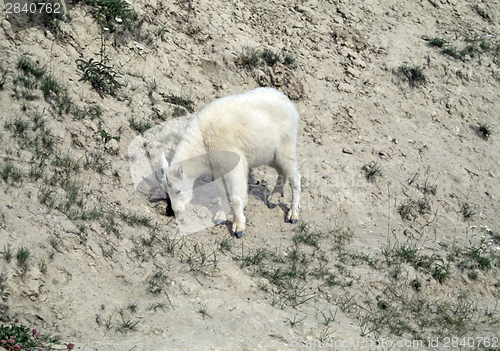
260, 126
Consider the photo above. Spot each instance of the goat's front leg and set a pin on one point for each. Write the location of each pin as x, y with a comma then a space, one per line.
293, 214
238, 190
239, 223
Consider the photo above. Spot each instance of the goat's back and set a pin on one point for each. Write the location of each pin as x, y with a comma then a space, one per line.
255, 124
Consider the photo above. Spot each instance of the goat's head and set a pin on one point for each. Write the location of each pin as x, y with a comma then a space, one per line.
175, 182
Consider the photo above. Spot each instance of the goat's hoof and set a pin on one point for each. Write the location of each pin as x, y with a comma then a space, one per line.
271, 205
293, 221
219, 221
238, 234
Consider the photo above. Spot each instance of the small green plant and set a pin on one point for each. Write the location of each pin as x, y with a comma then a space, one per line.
269, 57
110, 225
4, 294
468, 211
18, 127
126, 325
341, 238
453, 52
23, 255
157, 282
185, 103
178, 112
134, 219
132, 307
371, 170
9, 172
26, 65
437, 42
253, 258
43, 266
305, 235
441, 270
478, 255
151, 87
157, 305
427, 188
64, 103
413, 74
252, 57
95, 161
203, 311
7, 253
50, 85
483, 130
329, 317
295, 321
112, 13
226, 244
102, 77
107, 137
139, 126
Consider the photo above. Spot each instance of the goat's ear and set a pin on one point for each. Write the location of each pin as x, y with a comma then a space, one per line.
179, 173
164, 163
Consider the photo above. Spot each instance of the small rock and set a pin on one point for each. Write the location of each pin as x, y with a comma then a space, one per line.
262, 78
7, 28
49, 35
353, 72
318, 140
347, 150
112, 147
346, 88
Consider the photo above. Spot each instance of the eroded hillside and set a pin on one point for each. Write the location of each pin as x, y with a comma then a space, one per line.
398, 149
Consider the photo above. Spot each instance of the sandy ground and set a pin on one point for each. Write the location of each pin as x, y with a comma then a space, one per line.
355, 109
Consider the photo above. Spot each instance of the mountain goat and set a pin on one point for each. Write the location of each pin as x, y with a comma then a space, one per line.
260, 126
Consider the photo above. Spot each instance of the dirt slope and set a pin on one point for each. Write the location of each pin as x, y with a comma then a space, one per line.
95, 279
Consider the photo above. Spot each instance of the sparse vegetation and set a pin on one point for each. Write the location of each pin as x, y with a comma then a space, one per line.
101, 76
465, 47
157, 282
16, 336
111, 14
372, 170
7, 253
140, 126
468, 211
483, 130
179, 102
9, 173
23, 256
413, 74
438, 42
252, 57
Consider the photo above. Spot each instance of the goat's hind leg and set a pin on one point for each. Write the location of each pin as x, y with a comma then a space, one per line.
277, 193
224, 210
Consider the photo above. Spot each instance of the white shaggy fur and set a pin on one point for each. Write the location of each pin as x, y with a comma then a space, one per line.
260, 126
